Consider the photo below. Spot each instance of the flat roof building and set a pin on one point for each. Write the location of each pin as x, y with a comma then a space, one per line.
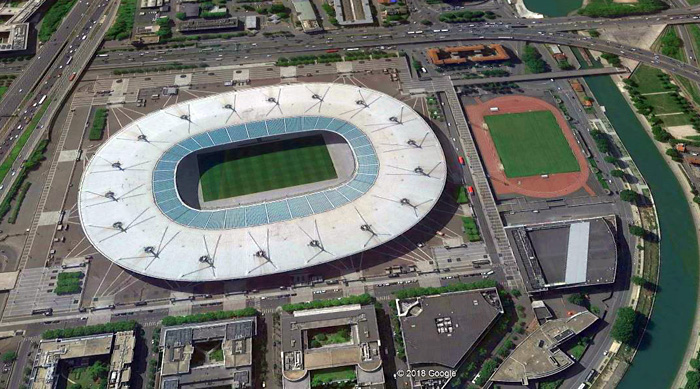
464, 54
52, 353
208, 354
306, 15
353, 12
308, 352
538, 355
440, 331
231, 23
13, 37
191, 10
566, 254
252, 22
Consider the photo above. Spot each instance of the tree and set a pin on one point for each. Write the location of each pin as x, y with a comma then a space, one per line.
578, 299
675, 155
9, 356
695, 363
98, 370
625, 325
75, 386
617, 173
637, 230
629, 196
610, 159
533, 60
515, 293
181, 15
637, 280
426, 22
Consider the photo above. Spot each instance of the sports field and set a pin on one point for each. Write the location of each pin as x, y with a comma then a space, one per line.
259, 168
530, 144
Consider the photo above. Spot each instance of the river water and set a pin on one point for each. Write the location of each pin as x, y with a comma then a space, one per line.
662, 349
553, 7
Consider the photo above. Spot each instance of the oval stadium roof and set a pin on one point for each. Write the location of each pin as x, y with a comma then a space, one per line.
133, 214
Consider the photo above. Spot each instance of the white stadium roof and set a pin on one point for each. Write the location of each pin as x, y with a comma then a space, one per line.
132, 212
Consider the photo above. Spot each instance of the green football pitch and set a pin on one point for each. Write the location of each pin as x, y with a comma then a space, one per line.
531, 144
259, 168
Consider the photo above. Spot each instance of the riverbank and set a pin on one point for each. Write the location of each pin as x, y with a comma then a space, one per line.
680, 176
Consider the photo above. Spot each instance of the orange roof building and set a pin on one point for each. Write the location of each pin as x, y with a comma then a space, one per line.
462, 54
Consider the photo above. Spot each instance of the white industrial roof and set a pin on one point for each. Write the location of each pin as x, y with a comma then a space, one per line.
132, 213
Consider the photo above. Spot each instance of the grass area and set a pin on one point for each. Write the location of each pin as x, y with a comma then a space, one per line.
93, 376
17, 148
612, 9
649, 79
18, 204
99, 121
471, 229
329, 335
690, 88
671, 44
217, 355
663, 103
260, 168
694, 31
69, 283
577, 351
121, 29
53, 17
3, 89
675, 120
461, 195
325, 376
530, 144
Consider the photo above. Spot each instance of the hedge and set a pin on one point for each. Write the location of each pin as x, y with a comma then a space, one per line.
208, 316
429, 291
105, 328
362, 299
53, 18
34, 159
121, 29
471, 229
18, 204
99, 120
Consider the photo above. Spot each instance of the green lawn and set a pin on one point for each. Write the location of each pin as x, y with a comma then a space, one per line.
675, 120
648, 79
530, 144
319, 377
3, 89
246, 170
662, 103
329, 335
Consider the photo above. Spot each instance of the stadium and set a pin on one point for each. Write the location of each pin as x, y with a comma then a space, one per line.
260, 181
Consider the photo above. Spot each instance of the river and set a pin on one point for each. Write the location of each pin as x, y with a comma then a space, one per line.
658, 360
553, 8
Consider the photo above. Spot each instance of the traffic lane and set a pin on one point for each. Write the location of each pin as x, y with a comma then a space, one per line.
22, 85
28, 113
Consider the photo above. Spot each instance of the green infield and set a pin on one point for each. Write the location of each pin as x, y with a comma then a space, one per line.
259, 168
531, 144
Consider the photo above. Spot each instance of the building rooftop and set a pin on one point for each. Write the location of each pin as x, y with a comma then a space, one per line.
362, 351
462, 54
306, 15
120, 347
353, 12
539, 355
208, 24
442, 329
183, 362
399, 174
566, 254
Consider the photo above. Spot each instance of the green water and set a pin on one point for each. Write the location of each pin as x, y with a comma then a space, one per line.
553, 7
662, 349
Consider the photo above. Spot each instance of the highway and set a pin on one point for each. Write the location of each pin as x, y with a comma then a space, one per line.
541, 76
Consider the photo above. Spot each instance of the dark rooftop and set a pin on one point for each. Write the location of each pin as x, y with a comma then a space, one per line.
442, 329
543, 252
